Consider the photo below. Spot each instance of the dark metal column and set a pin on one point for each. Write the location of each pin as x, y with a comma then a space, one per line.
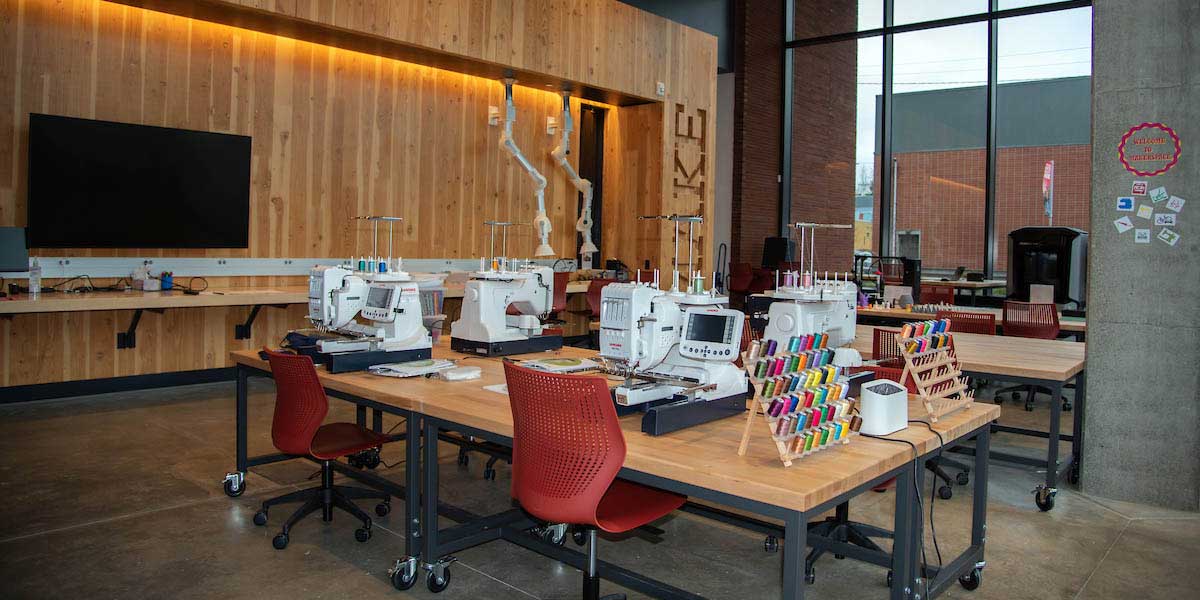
989, 172
412, 485
243, 376
884, 176
785, 126
795, 539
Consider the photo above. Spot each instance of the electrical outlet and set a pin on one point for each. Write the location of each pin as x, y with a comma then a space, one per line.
493, 115
551, 125
660, 88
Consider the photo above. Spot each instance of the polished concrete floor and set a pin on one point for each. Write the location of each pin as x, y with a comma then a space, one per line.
118, 496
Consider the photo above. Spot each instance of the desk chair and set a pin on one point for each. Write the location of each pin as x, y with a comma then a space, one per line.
937, 294
594, 295
1029, 320
567, 450
764, 279
296, 429
962, 321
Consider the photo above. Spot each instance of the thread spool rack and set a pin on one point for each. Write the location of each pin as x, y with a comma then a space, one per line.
805, 429
940, 383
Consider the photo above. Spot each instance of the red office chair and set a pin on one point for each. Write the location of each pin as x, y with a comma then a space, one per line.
740, 276
1024, 319
567, 450
595, 287
937, 294
559, 302
892, 272
296, 429
764, 279
969, 322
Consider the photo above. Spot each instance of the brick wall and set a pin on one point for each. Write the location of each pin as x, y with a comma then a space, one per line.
941, 195
822, 135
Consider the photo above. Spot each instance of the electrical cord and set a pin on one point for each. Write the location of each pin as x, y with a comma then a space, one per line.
933, 489
920, 503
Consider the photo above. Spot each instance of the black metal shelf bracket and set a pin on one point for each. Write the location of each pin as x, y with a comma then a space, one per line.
242, 331
128, 338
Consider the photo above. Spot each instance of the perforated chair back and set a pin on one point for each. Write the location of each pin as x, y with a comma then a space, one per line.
1025, 319
969, 322
937, 294
893, 373
300, 402
567, 443
892, 272
561, 280
763, 280
740, 276
883, 344
595, 287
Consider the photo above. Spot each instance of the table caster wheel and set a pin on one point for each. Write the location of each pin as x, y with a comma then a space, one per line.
231, 491
402, 580
362, 534
971, 580
810, 576
1073, 474
437, 584
260, 518
771, 544
280, 542
1044, 498
945, 492
963, 478
1067, 406
890, 577
383, 508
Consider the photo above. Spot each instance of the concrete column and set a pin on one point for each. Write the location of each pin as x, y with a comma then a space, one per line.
1142, 427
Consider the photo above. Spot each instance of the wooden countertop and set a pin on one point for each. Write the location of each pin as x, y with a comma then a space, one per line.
963, 284
704, 456
1074, 324
68, 302
1055, 360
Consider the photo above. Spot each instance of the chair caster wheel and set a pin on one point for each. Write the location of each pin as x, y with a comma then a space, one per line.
945, 492
553, 535
362, 534
401, 581
810, 576
437, 584
280, 542
1067, 407
771, 544
260, 518
232, 493
579, 537
1029, 406
383, 508
489, 474
1016, 396
963, 478
1073, 474
971, 581
1044, 498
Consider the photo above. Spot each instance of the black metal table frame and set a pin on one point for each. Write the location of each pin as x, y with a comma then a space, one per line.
1045, 492
424, 538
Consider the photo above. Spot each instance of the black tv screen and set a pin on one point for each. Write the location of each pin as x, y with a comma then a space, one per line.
99, 184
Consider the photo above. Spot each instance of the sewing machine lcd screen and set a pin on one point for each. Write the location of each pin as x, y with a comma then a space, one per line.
709, 328
379, 297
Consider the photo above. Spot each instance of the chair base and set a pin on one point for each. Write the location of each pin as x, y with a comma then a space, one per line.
325, 499
938, 466
839, 527
1030, 392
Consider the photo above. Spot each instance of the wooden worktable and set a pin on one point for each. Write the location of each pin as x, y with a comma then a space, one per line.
705, 455
68, 302
1055, 360
963, 284
1071, 324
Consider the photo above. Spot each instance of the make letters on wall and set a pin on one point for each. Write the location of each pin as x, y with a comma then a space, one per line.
690, 171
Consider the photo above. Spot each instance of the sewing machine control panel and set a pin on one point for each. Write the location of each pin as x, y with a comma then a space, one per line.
381, 302
711, 333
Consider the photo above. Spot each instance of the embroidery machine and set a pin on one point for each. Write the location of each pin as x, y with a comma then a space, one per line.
674, 348
485, 326
388, 299
805, 304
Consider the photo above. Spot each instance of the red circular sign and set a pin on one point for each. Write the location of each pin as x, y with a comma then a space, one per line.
1149, 149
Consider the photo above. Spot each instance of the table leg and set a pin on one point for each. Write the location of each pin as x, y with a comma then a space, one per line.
429, 493
903, 570
1077, 430
243, 385
377, 421
1055, 431
360, 415
412, 484
983, 445
917, 533
795, 541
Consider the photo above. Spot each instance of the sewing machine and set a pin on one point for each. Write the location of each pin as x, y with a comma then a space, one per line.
486, 328
822, 306
676, 356
389, 302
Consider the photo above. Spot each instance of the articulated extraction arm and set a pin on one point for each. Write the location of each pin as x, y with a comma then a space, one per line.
584, 224
541, 223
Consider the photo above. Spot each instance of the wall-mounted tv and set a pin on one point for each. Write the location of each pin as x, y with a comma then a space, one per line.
99, 184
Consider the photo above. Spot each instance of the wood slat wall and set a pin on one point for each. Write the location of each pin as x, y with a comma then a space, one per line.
339, 133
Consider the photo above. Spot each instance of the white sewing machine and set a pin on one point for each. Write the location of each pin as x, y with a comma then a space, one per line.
486, 328
677, 358
822, 306
391, 304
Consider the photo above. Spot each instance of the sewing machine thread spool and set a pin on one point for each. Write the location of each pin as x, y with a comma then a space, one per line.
755, 349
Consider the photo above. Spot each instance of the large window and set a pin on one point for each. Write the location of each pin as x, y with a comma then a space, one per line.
927, 73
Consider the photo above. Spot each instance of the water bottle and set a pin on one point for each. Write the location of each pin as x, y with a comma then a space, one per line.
35, 280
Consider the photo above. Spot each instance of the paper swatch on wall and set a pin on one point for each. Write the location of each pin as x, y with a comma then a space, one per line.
1175, 203
1141, 236
1125, 204
1159, 194
1164, 219
1145, 211
1170, 237
1139, 188
1123, 224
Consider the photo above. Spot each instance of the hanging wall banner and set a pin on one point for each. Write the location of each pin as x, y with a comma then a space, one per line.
1149, 149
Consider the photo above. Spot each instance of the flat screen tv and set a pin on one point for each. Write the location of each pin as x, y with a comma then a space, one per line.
99, 184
